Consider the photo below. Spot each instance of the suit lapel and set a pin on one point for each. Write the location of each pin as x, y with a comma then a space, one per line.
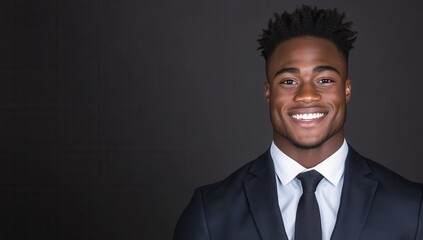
262, 198
356, 198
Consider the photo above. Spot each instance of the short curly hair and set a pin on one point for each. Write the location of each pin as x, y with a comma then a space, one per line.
307, 21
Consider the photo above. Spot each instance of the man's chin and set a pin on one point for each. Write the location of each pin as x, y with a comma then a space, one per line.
308, 146
312, 143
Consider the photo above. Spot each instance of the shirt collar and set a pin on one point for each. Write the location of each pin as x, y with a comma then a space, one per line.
332, 168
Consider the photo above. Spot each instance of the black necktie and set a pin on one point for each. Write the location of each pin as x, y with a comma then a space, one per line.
308, 224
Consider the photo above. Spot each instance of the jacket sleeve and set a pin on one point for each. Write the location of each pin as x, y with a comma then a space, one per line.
419, 234
192, 224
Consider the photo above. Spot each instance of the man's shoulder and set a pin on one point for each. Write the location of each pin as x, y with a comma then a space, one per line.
388, 179
393, 180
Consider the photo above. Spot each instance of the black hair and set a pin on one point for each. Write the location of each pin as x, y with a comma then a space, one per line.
307, 21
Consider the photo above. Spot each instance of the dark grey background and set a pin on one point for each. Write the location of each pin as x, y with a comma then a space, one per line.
112, 112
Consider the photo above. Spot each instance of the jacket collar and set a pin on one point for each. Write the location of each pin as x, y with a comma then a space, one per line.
356, 198
260, 188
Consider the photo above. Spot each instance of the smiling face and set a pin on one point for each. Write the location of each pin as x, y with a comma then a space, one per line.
307, 91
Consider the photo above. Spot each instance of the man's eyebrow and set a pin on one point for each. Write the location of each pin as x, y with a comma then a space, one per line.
287, 70
325, 68
316, 69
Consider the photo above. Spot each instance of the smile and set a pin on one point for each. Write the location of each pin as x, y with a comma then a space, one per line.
308, 116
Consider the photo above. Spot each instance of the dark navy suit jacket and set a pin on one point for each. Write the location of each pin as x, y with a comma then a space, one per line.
375, 204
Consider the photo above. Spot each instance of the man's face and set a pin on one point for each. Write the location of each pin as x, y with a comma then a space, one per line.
307, 93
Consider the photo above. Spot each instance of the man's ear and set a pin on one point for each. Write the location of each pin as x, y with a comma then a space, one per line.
347, 90
267, 91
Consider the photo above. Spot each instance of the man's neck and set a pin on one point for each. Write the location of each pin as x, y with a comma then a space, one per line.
310, 157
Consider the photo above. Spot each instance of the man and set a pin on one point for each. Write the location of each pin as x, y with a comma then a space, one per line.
350, 197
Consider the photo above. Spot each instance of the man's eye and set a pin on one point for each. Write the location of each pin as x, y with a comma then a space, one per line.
289, 82
325, 80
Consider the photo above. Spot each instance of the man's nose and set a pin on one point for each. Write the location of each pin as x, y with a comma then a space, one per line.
307, 93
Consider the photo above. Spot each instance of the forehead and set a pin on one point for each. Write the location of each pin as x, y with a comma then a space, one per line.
306, 53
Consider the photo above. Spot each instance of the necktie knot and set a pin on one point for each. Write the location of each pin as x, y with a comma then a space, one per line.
310, 180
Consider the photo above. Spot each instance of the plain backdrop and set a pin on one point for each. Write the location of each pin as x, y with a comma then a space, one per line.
113, 112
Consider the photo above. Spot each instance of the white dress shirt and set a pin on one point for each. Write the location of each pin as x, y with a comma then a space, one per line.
328, 192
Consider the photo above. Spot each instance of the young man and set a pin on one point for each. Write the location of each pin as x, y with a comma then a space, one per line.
310, 184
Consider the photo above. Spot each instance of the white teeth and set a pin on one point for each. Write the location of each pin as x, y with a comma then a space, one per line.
308, 116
